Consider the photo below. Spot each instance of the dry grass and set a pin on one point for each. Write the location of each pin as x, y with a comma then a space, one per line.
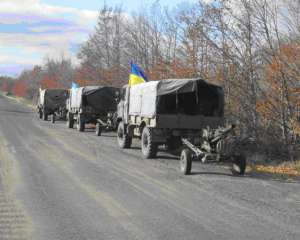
287, 168
27, 102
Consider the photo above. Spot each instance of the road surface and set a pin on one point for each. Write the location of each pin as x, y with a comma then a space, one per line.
60, 184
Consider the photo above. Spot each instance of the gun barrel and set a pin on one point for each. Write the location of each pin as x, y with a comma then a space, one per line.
223, 133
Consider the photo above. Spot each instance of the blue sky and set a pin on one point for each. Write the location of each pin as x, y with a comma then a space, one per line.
32, 30
128, 5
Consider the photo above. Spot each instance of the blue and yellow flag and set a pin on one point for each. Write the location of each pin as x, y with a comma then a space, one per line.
74, 85
136, 76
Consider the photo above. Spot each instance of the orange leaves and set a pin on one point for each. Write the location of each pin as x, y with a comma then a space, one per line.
282, 90
286, 62
4, 86
174, 69
290, 169
50, 82
182, 70
19, 88
265, 108
291, 52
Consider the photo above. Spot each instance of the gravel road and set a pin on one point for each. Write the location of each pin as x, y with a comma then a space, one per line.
59, 184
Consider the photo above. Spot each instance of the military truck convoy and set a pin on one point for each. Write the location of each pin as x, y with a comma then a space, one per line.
179, 114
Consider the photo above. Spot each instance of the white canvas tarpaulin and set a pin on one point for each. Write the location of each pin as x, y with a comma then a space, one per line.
76, 97
143, 99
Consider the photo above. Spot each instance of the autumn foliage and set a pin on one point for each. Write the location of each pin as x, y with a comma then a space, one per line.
19, 88
281, 104
4, 86
50, 82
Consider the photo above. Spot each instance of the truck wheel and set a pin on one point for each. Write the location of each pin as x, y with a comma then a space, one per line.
98, 129
238, 165
186, 161
149, 148
53, 118
70, 120
80, 123
40, 114
45, 116
124, 140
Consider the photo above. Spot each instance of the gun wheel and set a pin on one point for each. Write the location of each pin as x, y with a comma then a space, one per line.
238, 165
186, 161
98, 129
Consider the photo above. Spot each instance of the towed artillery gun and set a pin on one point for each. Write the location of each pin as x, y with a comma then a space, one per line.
52, 102
216, 145
93, 104
177, 113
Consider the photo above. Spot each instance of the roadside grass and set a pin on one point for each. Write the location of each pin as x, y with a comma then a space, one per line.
18, 99
298, 166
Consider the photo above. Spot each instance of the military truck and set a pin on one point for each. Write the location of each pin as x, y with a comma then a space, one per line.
176, 113
92, 104
52, 102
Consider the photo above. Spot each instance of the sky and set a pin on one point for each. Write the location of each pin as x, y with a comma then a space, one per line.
33, 30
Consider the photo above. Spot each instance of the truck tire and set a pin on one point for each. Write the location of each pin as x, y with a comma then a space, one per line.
53, 118
45, 116
70, 120
238, 165
40, 114
124, 140
186, 161
98, 129
149, 148
80, 123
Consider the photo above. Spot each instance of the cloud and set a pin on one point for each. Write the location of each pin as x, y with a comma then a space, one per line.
34, 8
31, 31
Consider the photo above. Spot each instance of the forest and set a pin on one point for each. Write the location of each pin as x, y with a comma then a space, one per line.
249, 47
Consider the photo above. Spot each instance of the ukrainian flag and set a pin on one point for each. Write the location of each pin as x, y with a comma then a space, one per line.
136, 76
74, 85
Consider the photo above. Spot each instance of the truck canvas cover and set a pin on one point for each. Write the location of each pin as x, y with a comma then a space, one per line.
100, 98
53, 98
173, 96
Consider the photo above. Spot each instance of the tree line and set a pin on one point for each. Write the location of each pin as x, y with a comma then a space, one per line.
250, 47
